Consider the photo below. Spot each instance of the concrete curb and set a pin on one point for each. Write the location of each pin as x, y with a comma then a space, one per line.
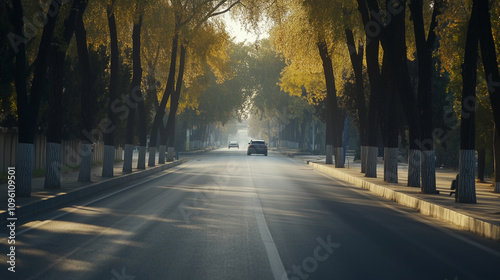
196, 152
41, 205
463, 221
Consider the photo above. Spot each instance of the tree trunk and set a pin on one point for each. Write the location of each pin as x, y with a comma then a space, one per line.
414, 156
127, 158
489, 58
84, 174
109, 132
425, 73
24, 155
53, 151
28, 106
53, 166
373, 68
141, 161
371, 161
174, 105
339, 157
329, 154
481, 162
390, 117
363, 158
171, 154
394, 43
24, 152
357, 66
161, 154
415, 161
135, 96
428, 171
496, 165
109, 156
169, 89
58, 49
334, 131
152, 153
466, 192
391, 157
410, 105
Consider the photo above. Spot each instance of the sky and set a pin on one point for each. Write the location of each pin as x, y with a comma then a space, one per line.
236, 30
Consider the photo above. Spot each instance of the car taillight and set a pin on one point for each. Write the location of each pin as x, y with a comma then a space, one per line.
250, 146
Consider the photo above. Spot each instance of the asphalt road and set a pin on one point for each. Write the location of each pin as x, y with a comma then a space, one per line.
226, 215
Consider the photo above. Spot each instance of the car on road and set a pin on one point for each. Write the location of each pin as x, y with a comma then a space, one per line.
233, 144
257, 147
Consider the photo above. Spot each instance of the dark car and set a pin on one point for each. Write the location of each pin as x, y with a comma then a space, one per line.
233, 144
257, 147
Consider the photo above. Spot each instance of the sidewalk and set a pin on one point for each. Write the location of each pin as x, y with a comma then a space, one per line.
482, 218
42, 199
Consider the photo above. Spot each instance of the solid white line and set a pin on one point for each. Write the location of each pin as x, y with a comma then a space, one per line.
271, 250
273, 255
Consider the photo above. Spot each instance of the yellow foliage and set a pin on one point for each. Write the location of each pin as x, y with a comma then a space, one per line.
296, 38
452, 30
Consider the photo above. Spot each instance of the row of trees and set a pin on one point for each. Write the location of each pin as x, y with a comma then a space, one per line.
156, 49
276, 115
372, 43
376, 60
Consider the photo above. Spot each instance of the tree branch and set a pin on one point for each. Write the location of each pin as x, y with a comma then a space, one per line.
226, 10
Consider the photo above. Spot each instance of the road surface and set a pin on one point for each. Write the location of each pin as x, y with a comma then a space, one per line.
226, 215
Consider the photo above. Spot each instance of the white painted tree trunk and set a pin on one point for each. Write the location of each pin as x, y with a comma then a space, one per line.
84, 174
339, 157
414, 168
141, 161
108, 161
24, 169
170, 154
329, 155
385, 164
363, 159
371, 162
496, 160
127, 158
53, 166
428, 171
152, 156
466, 192
391, 165
161, 154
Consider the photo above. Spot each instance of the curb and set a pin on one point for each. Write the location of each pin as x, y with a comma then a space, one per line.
196, 152
41, 205
463, 221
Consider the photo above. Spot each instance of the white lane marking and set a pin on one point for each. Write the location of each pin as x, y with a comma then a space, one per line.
272, 252
273, 255
93, 201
